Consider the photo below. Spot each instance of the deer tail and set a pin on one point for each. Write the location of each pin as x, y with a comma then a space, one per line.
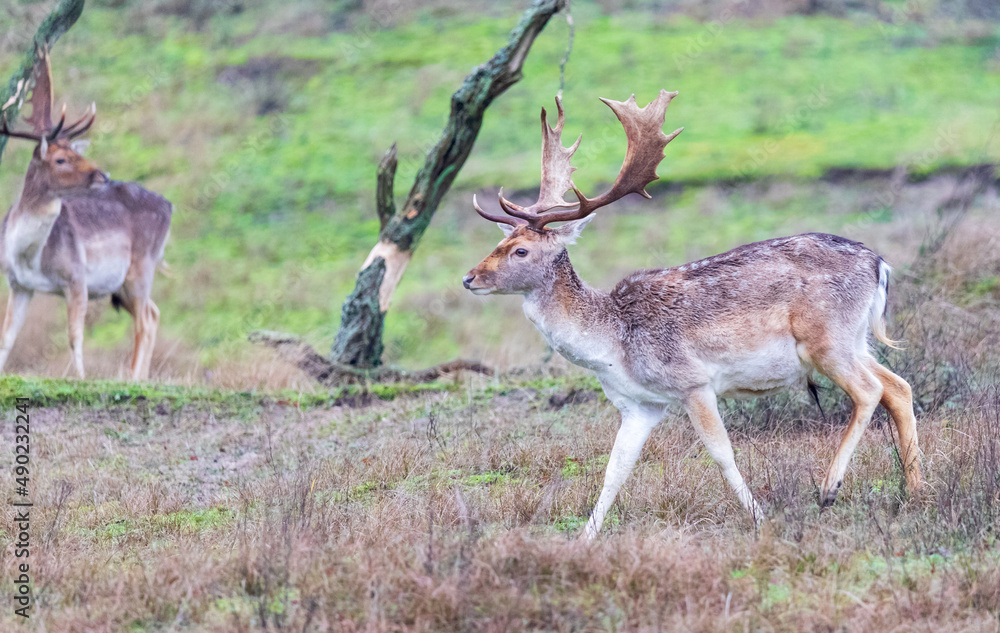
877, 311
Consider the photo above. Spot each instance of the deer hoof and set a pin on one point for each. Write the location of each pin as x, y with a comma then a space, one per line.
829, 494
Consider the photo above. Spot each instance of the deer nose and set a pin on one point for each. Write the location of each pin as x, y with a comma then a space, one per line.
467, 281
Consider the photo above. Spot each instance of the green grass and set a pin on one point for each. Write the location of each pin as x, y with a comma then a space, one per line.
82, 394
50, 392
274, 213
194, 521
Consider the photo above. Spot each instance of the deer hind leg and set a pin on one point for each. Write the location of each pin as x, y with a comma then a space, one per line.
76, 310
134, 297
17, 308
897, 398
146, 320
138, 348
127, 300
151, 322
136, 308
637, 423
703, 409
865, 390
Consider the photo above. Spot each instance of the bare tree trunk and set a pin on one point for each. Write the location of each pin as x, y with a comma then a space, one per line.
359, 341
57, 23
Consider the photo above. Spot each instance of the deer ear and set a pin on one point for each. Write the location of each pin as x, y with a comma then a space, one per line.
80, 146
567, 233
506, 228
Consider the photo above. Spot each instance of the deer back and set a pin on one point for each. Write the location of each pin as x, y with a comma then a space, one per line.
714, 312
124, 211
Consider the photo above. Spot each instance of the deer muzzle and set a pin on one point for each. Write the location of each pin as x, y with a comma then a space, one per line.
469, 280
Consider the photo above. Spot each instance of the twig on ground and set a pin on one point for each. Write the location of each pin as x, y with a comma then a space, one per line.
304, 356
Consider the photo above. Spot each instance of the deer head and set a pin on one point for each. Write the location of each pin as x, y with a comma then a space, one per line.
523, 260
57, 165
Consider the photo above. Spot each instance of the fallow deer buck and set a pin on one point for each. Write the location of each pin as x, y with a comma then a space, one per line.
749, 322
75, 233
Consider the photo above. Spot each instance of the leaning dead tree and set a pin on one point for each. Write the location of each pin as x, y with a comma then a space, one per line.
357, 349
50, 30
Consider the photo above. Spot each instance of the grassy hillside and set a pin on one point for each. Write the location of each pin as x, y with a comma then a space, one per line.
264, 127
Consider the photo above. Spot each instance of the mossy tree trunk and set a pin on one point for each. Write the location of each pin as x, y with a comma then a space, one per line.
57, 23
359, 341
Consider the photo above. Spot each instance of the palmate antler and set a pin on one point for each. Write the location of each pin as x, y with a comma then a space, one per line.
41, 109
646, 141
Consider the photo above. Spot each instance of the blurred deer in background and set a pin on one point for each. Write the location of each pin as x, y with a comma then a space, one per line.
746, 323
75, 233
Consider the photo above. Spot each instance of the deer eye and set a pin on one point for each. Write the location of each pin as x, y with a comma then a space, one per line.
521, 252
60, 161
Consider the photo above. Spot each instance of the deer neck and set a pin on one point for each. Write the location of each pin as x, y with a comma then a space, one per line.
30, 221
36, 195
573, 317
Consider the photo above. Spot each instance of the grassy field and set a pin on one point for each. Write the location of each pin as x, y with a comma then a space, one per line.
264, 127
455, 505
232, 494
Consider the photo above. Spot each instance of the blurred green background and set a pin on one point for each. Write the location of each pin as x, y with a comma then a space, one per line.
263, 122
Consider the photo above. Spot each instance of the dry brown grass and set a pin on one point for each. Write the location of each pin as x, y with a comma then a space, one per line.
442, 513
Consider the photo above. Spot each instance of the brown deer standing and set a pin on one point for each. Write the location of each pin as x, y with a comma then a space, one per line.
75, 233
749, 322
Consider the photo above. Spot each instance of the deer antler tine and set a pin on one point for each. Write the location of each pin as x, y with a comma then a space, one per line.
71, 128
507, 204
560, 120
62, 120
502, 219
560, 117
84, 123
83, 128
572, 148
515, 210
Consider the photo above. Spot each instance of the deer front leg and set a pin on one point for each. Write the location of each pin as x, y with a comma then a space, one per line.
17, 308
76, 311
637, 422
703, 409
